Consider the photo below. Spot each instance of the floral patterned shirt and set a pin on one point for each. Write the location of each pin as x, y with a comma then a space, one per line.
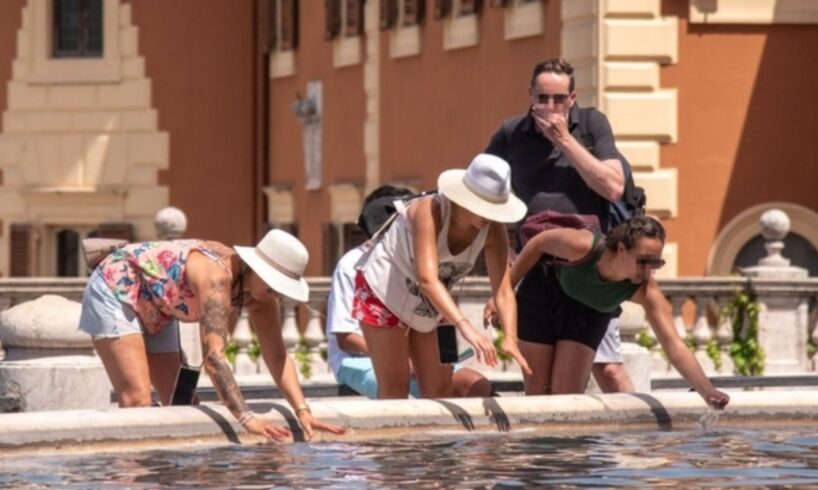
150, 277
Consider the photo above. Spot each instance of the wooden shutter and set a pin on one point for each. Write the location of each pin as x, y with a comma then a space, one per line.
470, 7
123, 231
354, 18
329, 248
442, 8
352, 235
272, 27
413, 12
388, 13
23, 238
332, 24
287, 38
498, 3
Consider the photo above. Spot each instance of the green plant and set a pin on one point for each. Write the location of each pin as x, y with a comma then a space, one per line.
498, 345
303, 358
253, 350
714, 353
746, 352
645, 340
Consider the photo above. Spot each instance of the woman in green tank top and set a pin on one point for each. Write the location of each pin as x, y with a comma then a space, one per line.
603, 276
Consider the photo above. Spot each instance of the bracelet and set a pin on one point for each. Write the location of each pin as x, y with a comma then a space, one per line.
246, 416
302, 408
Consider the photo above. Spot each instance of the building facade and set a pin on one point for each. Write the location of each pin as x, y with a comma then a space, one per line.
255, 113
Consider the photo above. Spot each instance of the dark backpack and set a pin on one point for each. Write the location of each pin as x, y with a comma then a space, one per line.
550, 220
633, 200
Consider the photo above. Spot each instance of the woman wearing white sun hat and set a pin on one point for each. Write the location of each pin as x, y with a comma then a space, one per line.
402, 290
137, 295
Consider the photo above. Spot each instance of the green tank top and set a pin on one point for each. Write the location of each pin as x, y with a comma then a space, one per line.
582, 283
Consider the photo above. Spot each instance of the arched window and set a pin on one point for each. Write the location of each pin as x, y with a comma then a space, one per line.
739, 243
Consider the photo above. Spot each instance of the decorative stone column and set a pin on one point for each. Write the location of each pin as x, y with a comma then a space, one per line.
49, 364
782, 314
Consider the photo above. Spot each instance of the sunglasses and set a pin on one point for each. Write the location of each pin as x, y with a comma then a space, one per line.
652, 262
557, 98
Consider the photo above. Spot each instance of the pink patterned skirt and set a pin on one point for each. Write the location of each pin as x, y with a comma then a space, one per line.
367, 308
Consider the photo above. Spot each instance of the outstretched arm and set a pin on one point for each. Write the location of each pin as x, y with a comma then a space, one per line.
211, 285
266, 323
566, 243
659, 316
425, 232
496, 254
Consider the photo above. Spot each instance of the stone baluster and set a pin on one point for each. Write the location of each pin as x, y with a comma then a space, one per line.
289, 325
724, 337
702, 334
243, 337
315, 340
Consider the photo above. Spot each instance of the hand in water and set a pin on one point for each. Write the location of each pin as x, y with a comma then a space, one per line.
716, 399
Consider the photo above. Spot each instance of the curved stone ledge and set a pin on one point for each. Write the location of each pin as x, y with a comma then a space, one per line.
144, 428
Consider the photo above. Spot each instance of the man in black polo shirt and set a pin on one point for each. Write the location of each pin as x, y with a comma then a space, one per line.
562, 157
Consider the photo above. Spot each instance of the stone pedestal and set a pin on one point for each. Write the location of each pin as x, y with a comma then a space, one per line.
783, 316
49, 364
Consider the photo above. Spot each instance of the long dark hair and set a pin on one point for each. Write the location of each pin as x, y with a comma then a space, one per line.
629, 232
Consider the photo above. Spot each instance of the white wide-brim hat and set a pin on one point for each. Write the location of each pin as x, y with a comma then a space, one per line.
484, 188
279, 259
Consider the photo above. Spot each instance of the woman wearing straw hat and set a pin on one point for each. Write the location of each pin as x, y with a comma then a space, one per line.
137, 295
402, 290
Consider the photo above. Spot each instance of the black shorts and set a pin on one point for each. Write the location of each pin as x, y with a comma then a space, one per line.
545, 314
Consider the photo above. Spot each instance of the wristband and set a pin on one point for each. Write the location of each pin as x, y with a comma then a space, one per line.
302, 408
246, 416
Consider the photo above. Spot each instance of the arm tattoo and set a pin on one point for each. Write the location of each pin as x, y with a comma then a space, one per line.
214, 321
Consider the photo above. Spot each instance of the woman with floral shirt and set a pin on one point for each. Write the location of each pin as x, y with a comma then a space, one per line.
137, 295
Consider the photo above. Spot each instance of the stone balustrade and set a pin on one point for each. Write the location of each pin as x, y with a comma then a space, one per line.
696, 306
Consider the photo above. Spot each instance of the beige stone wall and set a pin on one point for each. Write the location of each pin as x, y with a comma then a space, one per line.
80, 143
617, 47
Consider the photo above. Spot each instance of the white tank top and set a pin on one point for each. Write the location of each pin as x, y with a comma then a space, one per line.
389, 267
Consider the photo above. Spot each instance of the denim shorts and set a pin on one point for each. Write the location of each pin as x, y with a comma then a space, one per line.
105, 317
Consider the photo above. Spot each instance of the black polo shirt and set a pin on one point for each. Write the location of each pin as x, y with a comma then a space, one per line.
539, 169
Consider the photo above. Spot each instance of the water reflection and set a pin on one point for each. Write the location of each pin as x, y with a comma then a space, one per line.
675, 459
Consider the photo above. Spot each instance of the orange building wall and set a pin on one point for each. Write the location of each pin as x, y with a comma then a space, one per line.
11, 12
439, 109
199, 56
747, 126
342, 127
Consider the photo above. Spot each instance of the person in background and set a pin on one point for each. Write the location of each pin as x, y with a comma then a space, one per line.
347, 352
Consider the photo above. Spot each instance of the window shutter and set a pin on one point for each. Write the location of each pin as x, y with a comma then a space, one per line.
470, 7
333, 19
272, 28
389, 14
442, 8
329, 248
352, 235
354, 18
413, 12
288, 35
23, 239
498, 3
123, 231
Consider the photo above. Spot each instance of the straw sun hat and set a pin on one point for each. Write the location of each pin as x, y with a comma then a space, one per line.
279, 259
484, 188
